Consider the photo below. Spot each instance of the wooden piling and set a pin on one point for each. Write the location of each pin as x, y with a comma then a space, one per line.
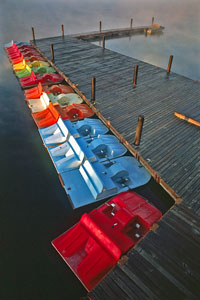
135, 75
152, 21
62, 30
93, 88
33, 34
170, 64
100, 26
131, 24
139, 130
52, 52
103, 42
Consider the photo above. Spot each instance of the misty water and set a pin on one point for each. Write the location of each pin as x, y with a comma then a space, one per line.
33, 206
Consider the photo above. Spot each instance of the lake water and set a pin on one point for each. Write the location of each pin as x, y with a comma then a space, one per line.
33, 205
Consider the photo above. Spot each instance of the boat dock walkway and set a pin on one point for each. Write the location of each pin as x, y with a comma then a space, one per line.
169, 147
165, 265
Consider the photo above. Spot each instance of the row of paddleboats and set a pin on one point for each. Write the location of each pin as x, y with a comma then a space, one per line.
92, 165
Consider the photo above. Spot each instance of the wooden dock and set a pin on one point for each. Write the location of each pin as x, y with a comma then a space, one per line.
165, 265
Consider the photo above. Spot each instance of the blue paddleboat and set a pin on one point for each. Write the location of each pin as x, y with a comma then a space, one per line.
92, 182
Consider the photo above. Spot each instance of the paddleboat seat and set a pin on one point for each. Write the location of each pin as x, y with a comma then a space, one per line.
12, 50
19, 66
55, 134
75, 112
43, 70
40, 104
104, 147
17, 60
24, 73
34, 93
70, 148
88, 251
97, 181
87, 128
67, 156
64, 100
35, 79
59, 89
47, 117
14, 55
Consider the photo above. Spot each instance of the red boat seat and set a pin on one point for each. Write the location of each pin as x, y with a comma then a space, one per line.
14, 55
34, 93
17, 60
75, 112
47, 117
28, 80
88, 251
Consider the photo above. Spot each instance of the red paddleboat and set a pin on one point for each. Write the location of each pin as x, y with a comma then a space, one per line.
95, 244
33, 79
34, 93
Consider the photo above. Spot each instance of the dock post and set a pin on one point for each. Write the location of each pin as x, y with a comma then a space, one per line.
52, 52
103, 42
62, 30
33, 34
135, 75
131, 24
152, 21
169, 64
93, 88
100, 26
139, 130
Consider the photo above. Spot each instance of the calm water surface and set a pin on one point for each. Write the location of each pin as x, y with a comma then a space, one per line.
33, 206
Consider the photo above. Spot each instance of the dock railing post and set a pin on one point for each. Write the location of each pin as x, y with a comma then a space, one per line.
33, 34
131, 24
152, 21
103, 43
169, 64
93, 89
100, 23
135, 75
52, 52
62, 30
139, 130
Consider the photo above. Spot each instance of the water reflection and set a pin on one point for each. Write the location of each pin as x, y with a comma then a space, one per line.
181, 21
33, 206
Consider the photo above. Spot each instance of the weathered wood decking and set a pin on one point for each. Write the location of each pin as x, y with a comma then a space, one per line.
165, 265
